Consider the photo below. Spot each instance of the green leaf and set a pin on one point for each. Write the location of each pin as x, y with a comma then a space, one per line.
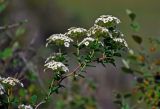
60, 104
3, 6
20, 31
117, 54
135, 26
33, 99
15, 101
127, 95
131, 14
118, 102
127, 70
54, 89
137, 39
80, 75
7, 53
126, 106
89, 65
22, 92
118, 96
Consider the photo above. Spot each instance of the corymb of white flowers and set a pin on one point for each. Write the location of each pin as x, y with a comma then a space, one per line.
107, 20
73, 31
121, 40
60, 39
53, 57
50, 58
86, 41
11, 81
98, 30
56, 65
25, 106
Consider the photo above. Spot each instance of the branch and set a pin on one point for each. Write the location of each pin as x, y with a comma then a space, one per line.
91, 55
42, 102
66, 76
13, 25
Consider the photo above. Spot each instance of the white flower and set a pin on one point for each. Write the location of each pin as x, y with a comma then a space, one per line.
25, 106
98, 29
121, 40
12, 81
86, 43
56, 65
53, 57
66, 44
107, 18
59, 37
87, 39
50, 58
76, 30
131, 52
117, 34
1, 89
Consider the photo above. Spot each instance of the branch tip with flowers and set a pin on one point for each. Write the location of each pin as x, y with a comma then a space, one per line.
99, 44
102, 42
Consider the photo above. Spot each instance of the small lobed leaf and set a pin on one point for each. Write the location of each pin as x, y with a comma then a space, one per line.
137, 39
135, 26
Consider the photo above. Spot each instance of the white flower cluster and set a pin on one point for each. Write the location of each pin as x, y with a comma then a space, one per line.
53, 57
25, 106
121, 40
50, 58
60, 37
86, 41
76, 30
97, 29
1, 89
11, 81
107, 18
56, 65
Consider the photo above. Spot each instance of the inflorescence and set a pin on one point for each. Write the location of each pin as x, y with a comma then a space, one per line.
100, 27
25, 106
60, 39
10, 81
103, 27
56, 66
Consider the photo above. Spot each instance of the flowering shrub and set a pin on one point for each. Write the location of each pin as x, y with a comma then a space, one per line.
99, 44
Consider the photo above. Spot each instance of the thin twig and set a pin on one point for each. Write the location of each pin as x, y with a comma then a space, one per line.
73, 73
12, 25
42, 102
66, 76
